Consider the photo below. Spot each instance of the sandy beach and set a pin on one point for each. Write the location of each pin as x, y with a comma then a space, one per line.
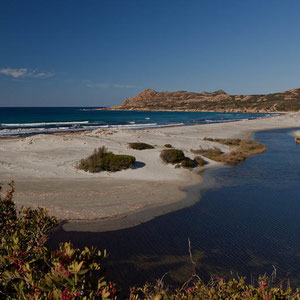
44, 170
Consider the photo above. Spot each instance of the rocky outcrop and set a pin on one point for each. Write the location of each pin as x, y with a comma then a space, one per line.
213, 101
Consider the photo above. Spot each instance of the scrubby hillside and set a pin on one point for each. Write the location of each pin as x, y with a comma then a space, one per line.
216, 101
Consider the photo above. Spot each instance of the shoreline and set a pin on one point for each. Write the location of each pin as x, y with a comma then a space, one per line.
81, 131
123, 199
192, 196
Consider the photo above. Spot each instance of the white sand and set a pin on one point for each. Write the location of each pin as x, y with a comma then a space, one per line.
43, 167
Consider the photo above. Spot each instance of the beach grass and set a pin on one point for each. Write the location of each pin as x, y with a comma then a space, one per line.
241, 150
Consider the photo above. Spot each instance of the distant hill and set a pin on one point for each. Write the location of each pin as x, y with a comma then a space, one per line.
214, 101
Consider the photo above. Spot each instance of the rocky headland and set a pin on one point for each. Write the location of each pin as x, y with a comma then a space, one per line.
218, 101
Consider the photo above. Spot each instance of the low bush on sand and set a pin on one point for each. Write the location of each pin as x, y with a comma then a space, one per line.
188, 163
102, 160
168, 146
172, 156
242, 149
140, 146
177, 157
200, 161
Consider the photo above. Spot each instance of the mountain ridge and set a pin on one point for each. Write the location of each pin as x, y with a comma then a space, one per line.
218, 101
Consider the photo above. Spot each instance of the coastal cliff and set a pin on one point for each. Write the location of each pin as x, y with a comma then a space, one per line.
218, 101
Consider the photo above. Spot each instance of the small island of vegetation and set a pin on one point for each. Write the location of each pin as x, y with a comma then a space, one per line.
103, 160
241, 149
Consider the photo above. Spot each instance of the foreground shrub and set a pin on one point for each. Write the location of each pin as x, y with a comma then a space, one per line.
216, 289
172, 156
140, 146
29, 270
102, 160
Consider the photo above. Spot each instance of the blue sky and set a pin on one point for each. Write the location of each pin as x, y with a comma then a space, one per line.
96, 52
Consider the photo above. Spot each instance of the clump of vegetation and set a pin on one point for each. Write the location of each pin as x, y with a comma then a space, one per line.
242, 149
297, 140
211, 153
250, 147
29, 270
140, 146
218, 288
200, 161
177, 157
188, 163
172, 156
102, 160
168, 146
228, 142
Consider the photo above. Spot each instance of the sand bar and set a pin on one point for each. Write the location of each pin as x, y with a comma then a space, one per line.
43, 167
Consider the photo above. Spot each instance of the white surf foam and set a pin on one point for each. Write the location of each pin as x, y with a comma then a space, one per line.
42, 124
34, 130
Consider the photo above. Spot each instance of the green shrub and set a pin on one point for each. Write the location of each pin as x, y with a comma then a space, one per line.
177, 157
188, 163
102, 160
168, 146
140, 146
172, 156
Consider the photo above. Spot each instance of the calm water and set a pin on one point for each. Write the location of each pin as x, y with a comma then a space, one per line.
247, 223
20, 121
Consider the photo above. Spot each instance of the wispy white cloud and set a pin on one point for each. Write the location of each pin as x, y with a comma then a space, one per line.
124, 86
107, 85
98, 85
15, 73
41, 75
25, 73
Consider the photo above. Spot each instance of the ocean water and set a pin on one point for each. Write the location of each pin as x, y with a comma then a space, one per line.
246, 225
22, 121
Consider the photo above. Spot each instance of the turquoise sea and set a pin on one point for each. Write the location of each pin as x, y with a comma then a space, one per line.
22, 121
